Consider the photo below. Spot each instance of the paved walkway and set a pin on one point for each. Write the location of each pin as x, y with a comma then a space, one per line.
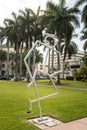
84, 89
80, 124
68, 87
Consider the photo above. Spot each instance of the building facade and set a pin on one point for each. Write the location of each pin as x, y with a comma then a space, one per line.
3, 64
75, 62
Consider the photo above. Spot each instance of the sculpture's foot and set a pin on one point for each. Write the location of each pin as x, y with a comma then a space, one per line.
42, 119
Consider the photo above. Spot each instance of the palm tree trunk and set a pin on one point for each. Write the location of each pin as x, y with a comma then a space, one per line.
29, 57
16, 63
63, 68
52, 61
21, 47
33, 68
64, 61
12, 64
49, 62
58, 48
58, 75
7, 60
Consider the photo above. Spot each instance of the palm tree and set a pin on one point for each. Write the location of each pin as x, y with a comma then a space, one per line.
58, 18
84, 11
80, 2
84, 16
85, 45
26, 19
12, 61
14, 28
84, 20
4, 31
68, 48
37, 31
84, 37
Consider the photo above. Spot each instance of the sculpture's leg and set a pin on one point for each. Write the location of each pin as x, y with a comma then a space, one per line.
53, 83
30, 85
36, 91
30, 103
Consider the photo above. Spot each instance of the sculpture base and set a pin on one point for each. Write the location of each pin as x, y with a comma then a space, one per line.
45, 122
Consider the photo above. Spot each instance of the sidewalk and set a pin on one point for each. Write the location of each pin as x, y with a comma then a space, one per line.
80, 124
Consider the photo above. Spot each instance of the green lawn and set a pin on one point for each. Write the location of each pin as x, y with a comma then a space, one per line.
68, 105
76, 84
66, 83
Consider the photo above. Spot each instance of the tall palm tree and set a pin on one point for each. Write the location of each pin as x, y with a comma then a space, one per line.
80, 2
21, 58
84, 16
37, 30
85, 46
58, 18
84, 10
5, 35
68, 49
84, 20
12, 61
84, 37
26, 19
14, 27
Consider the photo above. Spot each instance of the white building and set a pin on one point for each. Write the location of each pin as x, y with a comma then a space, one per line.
3, 65
74, 63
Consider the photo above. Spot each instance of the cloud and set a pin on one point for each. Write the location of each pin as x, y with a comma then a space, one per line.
7, 7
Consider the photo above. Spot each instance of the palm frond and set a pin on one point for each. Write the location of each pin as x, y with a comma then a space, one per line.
85, 45
72, 49
74, 11
80, 2
51, 6
22, 13
62, 3
75, 20
84, 15
14, 16
62, 47
38, 11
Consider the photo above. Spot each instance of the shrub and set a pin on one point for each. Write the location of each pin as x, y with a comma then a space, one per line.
69, 78
79, 78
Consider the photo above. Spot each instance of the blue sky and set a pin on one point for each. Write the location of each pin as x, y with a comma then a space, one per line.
8, 6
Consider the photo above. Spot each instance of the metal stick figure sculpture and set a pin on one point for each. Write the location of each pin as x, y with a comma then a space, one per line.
51, 76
